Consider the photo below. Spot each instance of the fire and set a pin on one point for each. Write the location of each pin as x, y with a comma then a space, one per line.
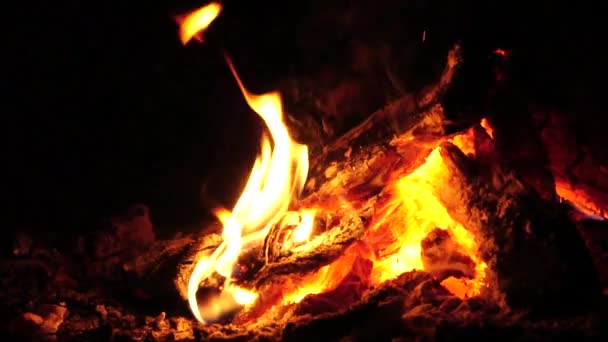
397, 231
192, 25
304, 229
486, 125
412, 214
392, 242
580, 200
277, 176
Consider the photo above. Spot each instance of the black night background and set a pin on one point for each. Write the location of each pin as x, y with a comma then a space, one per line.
105, 108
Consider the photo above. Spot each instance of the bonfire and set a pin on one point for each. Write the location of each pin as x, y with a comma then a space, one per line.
410, 225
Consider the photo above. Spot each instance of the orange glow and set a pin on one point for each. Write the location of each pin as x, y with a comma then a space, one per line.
412, 214
195, 23
465, 142
462, 288
302, 232
277, 176
327, 277
486, 125
396, 232
580, 199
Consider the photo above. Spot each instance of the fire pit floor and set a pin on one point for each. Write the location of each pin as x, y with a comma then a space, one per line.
413, 306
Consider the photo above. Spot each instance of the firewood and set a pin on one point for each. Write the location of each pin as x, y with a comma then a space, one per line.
322, 249
391, 120
528, 242
580, 172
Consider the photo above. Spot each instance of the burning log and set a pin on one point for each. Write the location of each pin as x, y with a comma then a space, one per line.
509, 221
517, 234
581, 175
320, 250
496, 220
395, 119
520, 234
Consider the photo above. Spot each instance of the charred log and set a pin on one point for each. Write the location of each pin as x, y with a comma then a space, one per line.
322, 249
394, 119
520, 234
579, 169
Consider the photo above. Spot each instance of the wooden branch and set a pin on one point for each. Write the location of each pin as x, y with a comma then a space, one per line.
394, 119
528, 243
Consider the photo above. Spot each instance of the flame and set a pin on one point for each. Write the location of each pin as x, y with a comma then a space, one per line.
277, 176
580, 200
242, 296
302, 232
412, 214
486, 125
396, 233
193, 24
327, 277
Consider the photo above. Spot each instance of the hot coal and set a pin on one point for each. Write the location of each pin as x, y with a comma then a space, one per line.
442, 257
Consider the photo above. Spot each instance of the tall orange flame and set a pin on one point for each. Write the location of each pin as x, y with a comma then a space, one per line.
278, 174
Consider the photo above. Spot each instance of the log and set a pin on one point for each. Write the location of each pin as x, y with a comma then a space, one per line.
459, 98
320, 250
580, 172
394, 119
528, 243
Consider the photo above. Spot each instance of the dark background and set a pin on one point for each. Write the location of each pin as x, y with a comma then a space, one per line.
104, 107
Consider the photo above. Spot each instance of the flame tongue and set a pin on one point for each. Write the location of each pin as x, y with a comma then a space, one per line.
267, 195
278, 174
196, 22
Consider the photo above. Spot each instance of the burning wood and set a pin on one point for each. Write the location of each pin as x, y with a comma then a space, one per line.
414, 198
401, 218
580, 177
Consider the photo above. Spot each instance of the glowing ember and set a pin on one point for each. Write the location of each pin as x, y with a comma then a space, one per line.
193, 25
580, 200
412, 214
396, 233
486, 125
501, 52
